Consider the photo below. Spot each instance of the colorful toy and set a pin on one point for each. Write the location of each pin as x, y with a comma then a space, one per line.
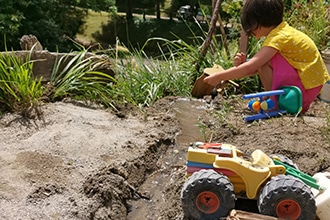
288, 101
219, 173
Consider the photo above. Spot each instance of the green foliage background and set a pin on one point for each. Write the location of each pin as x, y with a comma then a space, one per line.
53, 22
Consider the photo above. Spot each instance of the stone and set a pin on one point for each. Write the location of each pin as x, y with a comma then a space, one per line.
30, 42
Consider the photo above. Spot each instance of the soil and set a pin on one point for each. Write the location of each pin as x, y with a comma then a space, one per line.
82, 161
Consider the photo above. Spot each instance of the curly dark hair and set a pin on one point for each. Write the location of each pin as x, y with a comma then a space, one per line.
257, 13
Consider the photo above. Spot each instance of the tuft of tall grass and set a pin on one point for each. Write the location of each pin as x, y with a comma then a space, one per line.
19, 91
326, 128
76, 75
312, 18
142, 80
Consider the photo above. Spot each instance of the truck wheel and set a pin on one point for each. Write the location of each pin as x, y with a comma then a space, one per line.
287, 197
207, 195
284, 159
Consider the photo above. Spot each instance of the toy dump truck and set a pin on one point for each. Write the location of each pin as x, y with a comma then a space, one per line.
218, 174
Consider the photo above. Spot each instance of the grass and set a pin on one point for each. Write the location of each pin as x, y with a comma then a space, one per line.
116, 27
76, 75
220, 118
93, 24
18, 90
142, 80
313, 19
326, 127
180, 40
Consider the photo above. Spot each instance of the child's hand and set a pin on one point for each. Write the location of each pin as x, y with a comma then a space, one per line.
213, 79
239, 59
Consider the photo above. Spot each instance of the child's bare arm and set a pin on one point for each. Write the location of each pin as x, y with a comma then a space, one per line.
245, 69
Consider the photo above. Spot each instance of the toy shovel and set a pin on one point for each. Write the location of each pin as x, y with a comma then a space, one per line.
201, 88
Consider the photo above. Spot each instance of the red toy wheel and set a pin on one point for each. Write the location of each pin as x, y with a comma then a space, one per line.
207, 202
288, 208
287, 197
207, 195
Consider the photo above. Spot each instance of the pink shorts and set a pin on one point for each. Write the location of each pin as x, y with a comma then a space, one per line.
285, 75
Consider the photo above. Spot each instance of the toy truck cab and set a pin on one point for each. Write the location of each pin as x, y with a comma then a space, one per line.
247, 176
220, 173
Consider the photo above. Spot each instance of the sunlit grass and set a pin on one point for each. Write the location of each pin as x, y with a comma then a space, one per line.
312, 18
75, 75
142, 80
19, 91
94, 22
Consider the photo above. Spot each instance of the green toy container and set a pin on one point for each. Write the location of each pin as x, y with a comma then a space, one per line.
291, 100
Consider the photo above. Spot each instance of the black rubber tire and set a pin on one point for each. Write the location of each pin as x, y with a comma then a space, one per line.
207, 181
284, 188
284, 159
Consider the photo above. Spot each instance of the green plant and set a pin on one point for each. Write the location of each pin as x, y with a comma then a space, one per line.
326, 127
76, 75
19, 91
312, 18
218, 118
203, 130
231, 9
142, 80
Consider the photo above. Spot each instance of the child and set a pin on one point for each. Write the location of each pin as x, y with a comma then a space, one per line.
287, 57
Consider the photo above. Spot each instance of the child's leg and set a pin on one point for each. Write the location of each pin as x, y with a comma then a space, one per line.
266, 76
285, 75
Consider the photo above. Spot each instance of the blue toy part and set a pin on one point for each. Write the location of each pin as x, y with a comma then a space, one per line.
201, 165
289, 101
250, 105
264, 115
262, 94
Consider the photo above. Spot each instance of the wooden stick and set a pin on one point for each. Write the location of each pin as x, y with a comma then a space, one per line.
210, 33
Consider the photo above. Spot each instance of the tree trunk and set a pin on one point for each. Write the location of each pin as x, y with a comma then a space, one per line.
213, 25
129, 14
158, 9
213, 4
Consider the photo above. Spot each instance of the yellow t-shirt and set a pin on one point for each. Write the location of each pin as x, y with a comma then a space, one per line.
301, 52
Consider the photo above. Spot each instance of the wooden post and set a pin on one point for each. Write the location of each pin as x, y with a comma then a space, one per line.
244, 40
210, 33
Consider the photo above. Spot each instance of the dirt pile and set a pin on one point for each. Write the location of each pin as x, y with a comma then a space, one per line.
83, 162
78, 162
